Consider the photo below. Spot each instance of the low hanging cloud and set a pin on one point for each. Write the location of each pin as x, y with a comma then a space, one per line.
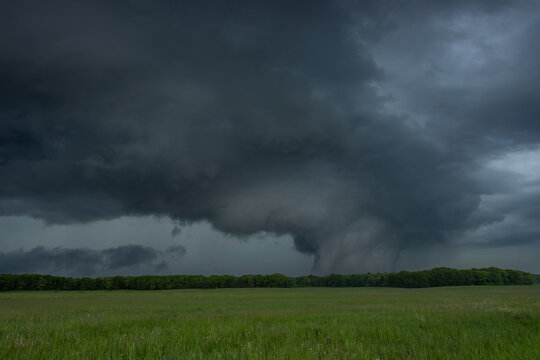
83, 262
358, 128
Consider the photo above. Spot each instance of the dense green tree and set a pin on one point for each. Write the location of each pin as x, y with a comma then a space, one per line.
414, 279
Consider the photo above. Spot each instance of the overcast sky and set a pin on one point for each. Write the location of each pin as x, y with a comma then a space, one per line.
212, 137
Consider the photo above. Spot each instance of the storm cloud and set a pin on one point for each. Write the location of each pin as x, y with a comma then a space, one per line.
359, 128
84, 261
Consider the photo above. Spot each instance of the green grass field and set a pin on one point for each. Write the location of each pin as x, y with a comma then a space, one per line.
301, 323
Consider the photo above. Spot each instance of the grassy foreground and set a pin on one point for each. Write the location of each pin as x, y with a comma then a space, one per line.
300, 323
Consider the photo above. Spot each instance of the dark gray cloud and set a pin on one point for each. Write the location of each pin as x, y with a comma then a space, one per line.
359, 128
175, 231
176, 250
128, 255
85, 261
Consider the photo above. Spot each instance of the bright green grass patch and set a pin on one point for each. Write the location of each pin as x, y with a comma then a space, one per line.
300, 323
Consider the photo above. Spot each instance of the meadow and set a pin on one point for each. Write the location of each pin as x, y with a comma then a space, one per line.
483, 322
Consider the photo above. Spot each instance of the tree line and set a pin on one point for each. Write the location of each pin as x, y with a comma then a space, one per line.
404, 279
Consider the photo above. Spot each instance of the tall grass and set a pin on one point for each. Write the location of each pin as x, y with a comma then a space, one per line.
300, 323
